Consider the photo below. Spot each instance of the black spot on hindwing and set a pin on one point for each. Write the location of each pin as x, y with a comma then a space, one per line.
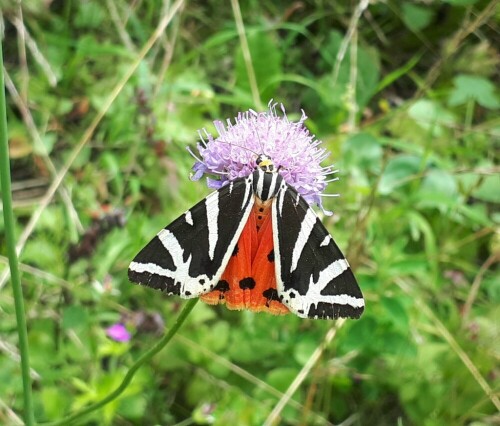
222, 286
247, 283
270, 256
270, 294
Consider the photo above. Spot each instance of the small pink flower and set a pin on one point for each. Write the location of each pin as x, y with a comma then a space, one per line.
118, 332
295, 151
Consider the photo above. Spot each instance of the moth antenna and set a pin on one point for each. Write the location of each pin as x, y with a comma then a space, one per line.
202, 139
328, 172
329, 195
215, 172
194, 155
238, 146
330, 180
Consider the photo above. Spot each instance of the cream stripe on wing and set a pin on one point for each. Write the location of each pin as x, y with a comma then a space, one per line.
306, 228
212, 206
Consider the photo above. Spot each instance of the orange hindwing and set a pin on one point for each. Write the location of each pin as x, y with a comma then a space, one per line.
249, 280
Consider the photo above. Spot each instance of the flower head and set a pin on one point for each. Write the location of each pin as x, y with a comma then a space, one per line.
294, 151
118, 332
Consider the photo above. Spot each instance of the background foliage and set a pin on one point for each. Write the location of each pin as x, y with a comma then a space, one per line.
405, 95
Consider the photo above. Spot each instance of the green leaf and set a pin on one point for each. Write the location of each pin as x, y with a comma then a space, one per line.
461, 2
489, 189
133, 407
440, 181
359, 334
478, 89
363, 150
55, 402
392, 343
492, 287
431, 116
398, 172
417, 17
74, 317
281, 378
396, 312
304, 349
438, 190
90, 15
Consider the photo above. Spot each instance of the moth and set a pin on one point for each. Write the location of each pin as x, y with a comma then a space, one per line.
253, 244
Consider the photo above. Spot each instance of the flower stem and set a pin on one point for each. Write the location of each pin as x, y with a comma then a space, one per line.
17, 290
131, 372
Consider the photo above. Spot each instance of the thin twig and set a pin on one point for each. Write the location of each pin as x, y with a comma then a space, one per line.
313, 359
353, 23
120, 27
31, 126
12, 352
376, 28
35, 52
13, 417
21, 46
169, 46
495, 257
247, 57
39, 273
352, 104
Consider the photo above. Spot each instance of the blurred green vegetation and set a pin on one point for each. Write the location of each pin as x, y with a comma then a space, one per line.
405, 95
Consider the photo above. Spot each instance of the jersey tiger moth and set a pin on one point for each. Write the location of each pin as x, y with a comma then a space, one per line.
254, 244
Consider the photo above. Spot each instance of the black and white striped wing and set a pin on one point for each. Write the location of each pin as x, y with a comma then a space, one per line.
313, 278
188, 257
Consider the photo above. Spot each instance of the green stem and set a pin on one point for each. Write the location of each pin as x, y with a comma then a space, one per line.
131, 372
10, 240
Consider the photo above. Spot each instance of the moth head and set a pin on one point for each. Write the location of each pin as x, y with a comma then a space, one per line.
265, 163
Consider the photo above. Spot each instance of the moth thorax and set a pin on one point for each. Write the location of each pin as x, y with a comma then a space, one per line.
266, 185
265, 163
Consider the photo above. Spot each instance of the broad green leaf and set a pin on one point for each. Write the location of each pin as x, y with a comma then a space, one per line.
363, 150
431, 116
133, 407
461, 2
74, 317
281, 378
489, 189
90, 15
437, 180
396, 312
398, 172
439, 190
55, 402
304, 349
417, 17
478, 89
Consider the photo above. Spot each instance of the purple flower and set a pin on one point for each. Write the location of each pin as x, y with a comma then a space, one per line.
295, 151
118, 332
